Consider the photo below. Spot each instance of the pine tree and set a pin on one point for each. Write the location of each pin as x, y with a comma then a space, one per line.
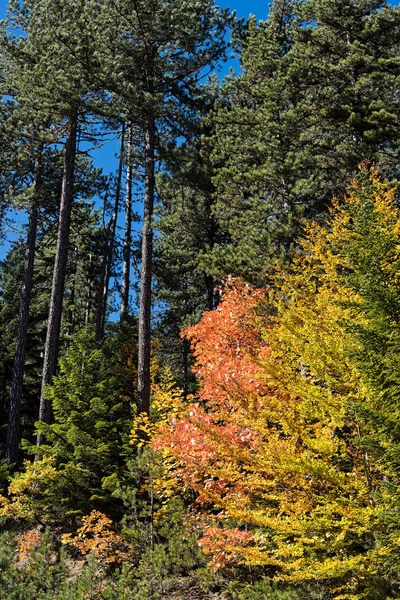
22, 166
13, 427
110, 246
11, 177
84, 458
60, 62
126, 274
256, 138
22, 170
164, 51
315, 98
346, 58
81, 278
92, 420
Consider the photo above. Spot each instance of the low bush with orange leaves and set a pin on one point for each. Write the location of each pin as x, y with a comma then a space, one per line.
97, 537
26, 542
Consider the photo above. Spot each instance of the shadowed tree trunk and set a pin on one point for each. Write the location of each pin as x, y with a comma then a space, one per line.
146, 272
128, 233
71, 311
88, 308
13, 427
60, 265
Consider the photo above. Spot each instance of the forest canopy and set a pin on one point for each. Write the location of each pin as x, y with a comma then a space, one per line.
199, 359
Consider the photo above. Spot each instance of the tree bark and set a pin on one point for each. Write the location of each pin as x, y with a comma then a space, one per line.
146, 272
209, 281
13, 427
60, 266
88, 308
128, 234
102, 280
109, 255
71, 312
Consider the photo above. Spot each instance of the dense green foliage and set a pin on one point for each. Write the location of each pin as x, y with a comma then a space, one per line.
315, 98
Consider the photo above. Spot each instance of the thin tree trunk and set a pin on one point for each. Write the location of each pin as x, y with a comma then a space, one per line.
71, 312
13, 427
146, 273
100, 308
108, 259
128, 233
88, 308
106, 245
60, 267
209, 281
186, 370
212, 293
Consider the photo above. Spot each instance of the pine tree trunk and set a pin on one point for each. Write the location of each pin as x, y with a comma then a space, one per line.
88, 308
186, 368
102, 308
212, 294
102, 279
102, 284
128, 233
13, 427
146, 273
71, 312
209, 281
60, 267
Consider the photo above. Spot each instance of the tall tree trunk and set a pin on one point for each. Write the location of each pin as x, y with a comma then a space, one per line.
128, 233
102, 279
109, 254
212, 293
88, 308
146, 272
71, 312
60, 267
13, 427
186, 369
209, 281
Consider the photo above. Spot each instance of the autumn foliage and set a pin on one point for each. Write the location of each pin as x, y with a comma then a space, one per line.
96, 536
276, 443
26, 542
287, 459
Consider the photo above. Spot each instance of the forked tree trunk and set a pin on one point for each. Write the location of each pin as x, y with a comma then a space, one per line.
128, 233
109, 253
60, 267
13, 427
146, 272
